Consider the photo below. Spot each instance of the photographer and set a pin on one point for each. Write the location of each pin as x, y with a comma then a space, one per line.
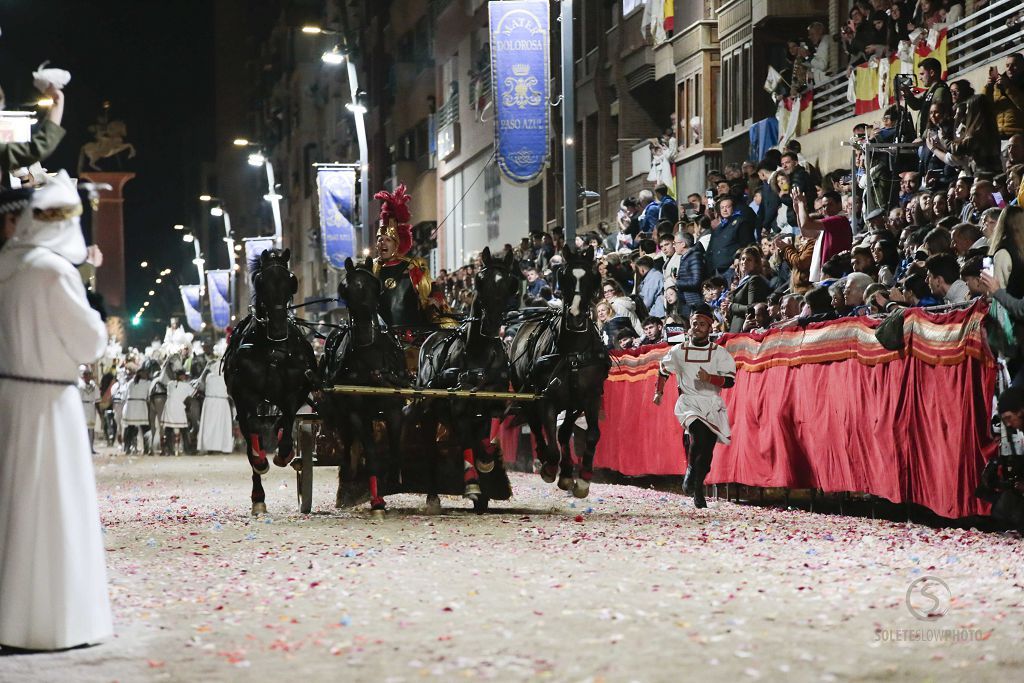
929, 76
1006, 91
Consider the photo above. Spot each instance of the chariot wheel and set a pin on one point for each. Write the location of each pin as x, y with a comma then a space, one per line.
304, 476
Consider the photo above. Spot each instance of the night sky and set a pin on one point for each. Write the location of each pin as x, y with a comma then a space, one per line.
154, 62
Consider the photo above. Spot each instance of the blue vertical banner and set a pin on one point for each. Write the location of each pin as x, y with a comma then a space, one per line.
336, 186
218, 284
520, 78
192, 299
254, 246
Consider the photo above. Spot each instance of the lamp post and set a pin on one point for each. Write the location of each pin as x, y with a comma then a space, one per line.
258, 158
569, 192
220, 211
334, 57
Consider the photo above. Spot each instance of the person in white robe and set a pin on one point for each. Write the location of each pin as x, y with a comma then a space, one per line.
174, 417
53, 575
89, 392
135, 414
702, 369
215, 423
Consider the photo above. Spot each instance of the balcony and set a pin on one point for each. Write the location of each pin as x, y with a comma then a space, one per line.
973, 42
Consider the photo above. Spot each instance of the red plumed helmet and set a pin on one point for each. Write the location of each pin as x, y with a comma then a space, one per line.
395, 216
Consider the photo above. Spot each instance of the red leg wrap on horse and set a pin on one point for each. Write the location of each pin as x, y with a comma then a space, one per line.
254, 439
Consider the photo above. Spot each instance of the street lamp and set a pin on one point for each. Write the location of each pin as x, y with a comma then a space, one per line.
241, 142
333, 58
204, 198
144, 264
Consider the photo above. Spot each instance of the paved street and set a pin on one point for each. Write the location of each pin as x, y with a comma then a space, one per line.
628, 585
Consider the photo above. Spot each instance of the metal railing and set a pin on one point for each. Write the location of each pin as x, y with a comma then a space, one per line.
984, 36
830, 103
448, 112
981, 37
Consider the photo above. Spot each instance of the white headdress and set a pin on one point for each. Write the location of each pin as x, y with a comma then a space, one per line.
51, 220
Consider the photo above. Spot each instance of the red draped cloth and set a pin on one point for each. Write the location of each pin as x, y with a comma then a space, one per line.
828, 407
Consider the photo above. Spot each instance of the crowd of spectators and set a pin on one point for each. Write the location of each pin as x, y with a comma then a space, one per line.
774, 242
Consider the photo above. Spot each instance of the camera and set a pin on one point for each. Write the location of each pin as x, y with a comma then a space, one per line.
903, 82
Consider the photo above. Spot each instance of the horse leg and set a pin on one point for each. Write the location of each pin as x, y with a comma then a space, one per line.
566, 482
546, 431
362, 426
592, 414
429, 427
259, 505
463, 437
285, 446
254, 451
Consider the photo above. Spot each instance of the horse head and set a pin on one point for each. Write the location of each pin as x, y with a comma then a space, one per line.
498, 286
361, 291
274, 285
579, 282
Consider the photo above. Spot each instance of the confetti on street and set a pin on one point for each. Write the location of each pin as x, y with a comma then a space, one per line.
640, 586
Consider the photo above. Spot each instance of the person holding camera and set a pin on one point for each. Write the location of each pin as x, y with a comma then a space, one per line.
929, 76
1006, 90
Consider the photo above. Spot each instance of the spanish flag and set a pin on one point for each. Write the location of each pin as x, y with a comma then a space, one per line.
794, 115
870, 87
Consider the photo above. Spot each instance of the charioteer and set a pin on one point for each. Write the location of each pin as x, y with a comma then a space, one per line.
407, 299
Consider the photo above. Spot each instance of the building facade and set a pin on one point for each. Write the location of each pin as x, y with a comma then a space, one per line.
689, 69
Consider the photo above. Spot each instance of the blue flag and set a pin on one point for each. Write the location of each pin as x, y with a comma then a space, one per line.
337, 189
192, 299
218, 284
520, 64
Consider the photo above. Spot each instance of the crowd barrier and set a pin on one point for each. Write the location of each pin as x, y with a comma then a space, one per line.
827, 407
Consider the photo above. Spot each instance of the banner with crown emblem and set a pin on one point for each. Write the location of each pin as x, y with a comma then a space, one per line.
336, 186
520, 64
218, 284
254, 246
192, 300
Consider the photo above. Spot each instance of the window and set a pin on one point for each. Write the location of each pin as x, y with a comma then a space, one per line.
629, 5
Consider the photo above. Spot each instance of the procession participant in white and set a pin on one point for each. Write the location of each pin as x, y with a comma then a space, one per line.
90, 394
135, 415
175, 335
175, 418
702, 369
53, 577
215, 429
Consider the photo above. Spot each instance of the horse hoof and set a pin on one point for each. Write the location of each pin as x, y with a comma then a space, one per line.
581, 489
433, 505
283, 461
548, 474
472, 491
699, 502
259, 509
484, 467
565, 483
377, 515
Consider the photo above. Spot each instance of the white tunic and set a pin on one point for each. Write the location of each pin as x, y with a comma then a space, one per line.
700, 400
53, 577
174, 414
90, 393
215, 430
136, 408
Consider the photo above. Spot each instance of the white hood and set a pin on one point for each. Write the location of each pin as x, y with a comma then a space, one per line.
60, 231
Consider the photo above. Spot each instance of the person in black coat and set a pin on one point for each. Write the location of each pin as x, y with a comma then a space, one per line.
752, 289
734, 231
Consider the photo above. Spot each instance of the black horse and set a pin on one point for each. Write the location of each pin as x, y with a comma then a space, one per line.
364, 354
471, 357
563, 357
268, 363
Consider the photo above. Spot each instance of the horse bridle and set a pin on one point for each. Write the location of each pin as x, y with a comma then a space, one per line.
265, 321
